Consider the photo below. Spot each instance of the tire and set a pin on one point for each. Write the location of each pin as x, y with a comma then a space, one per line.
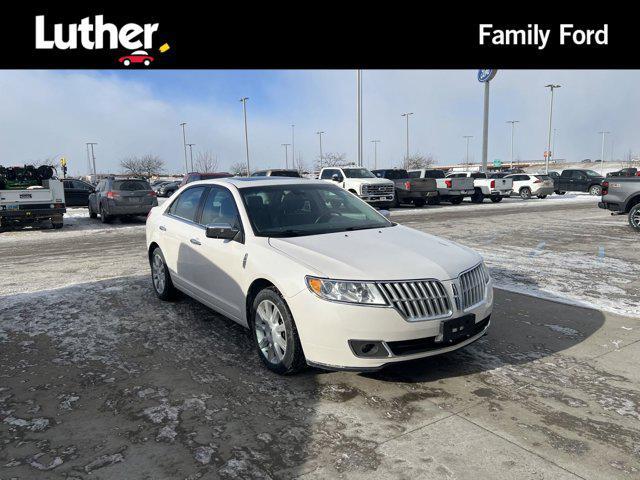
542, 196
146, 63
92, 214
496, 199
396, 202
160, 277
456, 200
525, 193
104, 218
434, 201
57, 222
634, 217
595, 190
283, 356
477, 197
419, 202
127, 62
558, 192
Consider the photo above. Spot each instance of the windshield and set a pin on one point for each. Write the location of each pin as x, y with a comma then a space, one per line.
297, 210
358, 173
591, 173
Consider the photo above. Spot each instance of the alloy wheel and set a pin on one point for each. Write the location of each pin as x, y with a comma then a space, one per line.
158, 273
635, 218
270, 332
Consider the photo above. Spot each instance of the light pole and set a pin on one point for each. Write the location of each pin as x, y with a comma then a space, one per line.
93, 160
286, 154
603, 133
375, 153
184, 145
293, 146
467, 137
320, 137
513, 125
359, 114
190, 145
551, 88
246, 134
406, 158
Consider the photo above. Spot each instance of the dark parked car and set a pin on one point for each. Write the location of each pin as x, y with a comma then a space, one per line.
121, 197
578, 180
76, 192
167, 189
277, 172
195, 176
555, 176
625, 172
409, 190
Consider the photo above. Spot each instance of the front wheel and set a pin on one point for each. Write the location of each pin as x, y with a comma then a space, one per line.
634, 217
275, 334
525, 193
595, 190
162, 284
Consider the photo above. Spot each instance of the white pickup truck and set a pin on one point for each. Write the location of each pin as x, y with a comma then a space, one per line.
378, 192
32, 205
494, 188
452, 190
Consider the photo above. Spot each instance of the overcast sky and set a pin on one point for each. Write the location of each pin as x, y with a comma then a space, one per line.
49, 113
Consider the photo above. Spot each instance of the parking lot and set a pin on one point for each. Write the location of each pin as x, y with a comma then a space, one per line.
99, 379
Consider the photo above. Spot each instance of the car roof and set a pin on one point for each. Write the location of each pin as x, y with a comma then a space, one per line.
247, 182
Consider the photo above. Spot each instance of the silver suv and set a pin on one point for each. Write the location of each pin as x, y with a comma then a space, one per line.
121, 197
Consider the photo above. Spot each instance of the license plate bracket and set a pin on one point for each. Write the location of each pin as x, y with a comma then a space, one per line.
457, 328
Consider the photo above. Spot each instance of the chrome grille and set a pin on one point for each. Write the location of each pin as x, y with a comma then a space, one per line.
377, 189
470, 289
417, 300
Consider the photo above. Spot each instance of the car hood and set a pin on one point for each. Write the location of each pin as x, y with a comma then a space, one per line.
371, 181
393, 253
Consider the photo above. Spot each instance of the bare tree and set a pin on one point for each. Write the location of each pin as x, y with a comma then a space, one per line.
206, 162
238, 168
332, 159
145, 166
417, 161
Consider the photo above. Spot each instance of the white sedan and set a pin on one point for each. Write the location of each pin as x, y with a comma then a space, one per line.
319, 276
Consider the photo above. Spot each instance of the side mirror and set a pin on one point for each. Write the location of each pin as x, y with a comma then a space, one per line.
222, 231
385, 213
336, 178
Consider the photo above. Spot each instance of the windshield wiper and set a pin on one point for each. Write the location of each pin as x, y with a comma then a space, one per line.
288, 233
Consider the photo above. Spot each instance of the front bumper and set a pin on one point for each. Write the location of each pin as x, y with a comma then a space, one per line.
326, 329
376, 199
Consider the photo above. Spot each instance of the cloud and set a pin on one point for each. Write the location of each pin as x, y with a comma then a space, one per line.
45, 113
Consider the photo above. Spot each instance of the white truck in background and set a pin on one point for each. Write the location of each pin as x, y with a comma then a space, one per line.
377, 192
452, 190
33, 205
493, 188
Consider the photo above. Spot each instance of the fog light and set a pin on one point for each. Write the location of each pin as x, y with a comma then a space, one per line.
368, 348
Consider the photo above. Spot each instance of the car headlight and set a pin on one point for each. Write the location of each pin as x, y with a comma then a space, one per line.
344, 291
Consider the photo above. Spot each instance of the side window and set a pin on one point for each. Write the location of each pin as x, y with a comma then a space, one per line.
67, 184
186, 205
220, 207
328, 173
414, 174
578, 175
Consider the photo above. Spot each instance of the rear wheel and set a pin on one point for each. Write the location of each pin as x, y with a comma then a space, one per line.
542, 196
433, 201
419, 202
525, 193
104, 218
595, 190
456, 200
496, 199
57, 222
634, 217
162, 284
478, 196
92, 214
275, 334
558, 192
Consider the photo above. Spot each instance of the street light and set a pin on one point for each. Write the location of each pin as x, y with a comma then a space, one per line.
190, 145
246, 134
93, 160
551, 88
293, 146
375, 153
286, 154
406, 158
467, 137
513, 124
359, 114
320, 136
184, 145
603, 133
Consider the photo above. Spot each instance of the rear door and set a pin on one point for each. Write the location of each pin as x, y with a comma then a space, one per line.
580, 181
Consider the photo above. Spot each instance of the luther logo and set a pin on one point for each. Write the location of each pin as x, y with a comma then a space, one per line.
95, 34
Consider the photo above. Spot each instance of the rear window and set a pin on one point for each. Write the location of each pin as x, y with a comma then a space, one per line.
285, 173
130, 185
478, 175
543, 177
414, 175
392, 174
434, 174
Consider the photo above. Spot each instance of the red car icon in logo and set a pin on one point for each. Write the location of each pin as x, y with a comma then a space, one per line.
139, 56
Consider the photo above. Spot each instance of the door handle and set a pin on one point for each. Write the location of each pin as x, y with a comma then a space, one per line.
162, 227
195, 242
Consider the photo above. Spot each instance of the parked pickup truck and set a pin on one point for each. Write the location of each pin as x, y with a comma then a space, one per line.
580, 180
622, 196
34, 205
377, 192
409, 190
452, 190
494, 188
